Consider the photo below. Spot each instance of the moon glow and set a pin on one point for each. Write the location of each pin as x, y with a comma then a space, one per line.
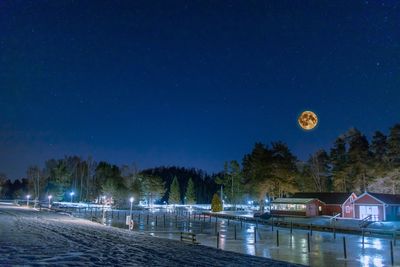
308, 120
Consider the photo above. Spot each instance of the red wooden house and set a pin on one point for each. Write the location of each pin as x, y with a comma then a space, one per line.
334, 203
380, 207
296, 206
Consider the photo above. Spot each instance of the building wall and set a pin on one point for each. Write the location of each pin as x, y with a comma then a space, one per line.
332, 209
367, 199
315, 208
348, 207
287, 212
393, 213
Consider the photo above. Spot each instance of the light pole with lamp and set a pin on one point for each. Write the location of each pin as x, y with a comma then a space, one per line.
130, 217
27, 200
49, 197
104, 211
72, 195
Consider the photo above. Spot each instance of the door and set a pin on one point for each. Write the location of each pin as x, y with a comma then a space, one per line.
312, 210
369, 210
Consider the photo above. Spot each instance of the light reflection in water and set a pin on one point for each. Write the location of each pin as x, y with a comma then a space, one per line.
368, 261
377, 244
377, 262
265, 253
292, 241
222, 242
305, 258
296, 244
250, 235
250, 249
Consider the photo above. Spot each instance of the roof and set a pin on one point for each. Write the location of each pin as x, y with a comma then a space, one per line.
293, 200
326, 197
386, 198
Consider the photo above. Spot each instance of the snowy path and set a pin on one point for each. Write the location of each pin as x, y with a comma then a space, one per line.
46, 238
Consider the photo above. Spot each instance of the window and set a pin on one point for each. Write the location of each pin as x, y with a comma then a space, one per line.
289, 207
347, 209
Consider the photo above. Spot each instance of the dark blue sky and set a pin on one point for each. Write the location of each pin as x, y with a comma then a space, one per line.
190, 83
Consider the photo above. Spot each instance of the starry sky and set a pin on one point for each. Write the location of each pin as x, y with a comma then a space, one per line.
190, 83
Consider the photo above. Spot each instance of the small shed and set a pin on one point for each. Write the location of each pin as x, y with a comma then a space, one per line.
335, 202
378, 207
297, 206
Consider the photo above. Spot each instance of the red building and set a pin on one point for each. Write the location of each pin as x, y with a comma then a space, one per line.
380, 207
334, 203
297, 206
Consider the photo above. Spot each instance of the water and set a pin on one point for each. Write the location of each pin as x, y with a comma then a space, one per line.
324, 249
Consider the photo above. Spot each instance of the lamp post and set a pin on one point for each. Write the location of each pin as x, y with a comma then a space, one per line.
72, 195
131, 200
130, 217
27, 200
49, 197
104, 211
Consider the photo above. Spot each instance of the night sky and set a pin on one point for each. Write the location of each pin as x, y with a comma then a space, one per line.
190, 83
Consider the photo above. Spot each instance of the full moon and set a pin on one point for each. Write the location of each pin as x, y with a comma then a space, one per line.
308, 120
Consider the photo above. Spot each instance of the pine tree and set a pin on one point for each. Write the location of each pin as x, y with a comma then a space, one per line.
284, 170
379, 149
257, 169
359, 160
231, 181
394, 146
338, 158
318, 169
174, 192
190, 195
216, 204
394, 156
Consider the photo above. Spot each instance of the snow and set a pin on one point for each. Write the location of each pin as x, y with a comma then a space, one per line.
32, 237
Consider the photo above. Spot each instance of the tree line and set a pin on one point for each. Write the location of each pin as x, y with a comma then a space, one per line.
353, 164
90, 181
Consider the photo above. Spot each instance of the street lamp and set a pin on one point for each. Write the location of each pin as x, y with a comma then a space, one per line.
130, 218
27, 200
104, 211
50, 200
72, 194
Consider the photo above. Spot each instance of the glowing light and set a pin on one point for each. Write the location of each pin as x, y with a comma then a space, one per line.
308, 120
377, 244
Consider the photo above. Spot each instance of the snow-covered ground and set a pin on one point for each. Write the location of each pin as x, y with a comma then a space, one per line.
30, 237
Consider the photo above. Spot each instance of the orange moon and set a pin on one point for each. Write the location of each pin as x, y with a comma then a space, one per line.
308, 120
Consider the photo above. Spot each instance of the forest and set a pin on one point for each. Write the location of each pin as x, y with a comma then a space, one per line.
353, 164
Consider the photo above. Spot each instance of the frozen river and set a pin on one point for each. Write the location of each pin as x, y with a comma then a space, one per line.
34, 238
300, 246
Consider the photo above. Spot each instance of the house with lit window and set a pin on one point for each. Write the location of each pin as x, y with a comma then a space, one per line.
334, 203
377, 207
297, 206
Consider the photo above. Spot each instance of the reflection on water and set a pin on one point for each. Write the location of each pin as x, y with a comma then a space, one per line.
377, 244
368, 261
325, 251
250, 249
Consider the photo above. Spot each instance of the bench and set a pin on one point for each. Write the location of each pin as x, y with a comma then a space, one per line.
95, 219
188, 238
